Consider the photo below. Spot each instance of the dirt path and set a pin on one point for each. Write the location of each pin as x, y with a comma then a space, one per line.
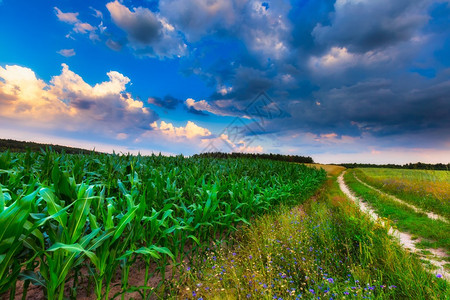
405, 239
430, 215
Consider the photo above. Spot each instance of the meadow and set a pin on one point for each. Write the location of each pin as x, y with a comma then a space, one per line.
427, 189
433, 233
68, 221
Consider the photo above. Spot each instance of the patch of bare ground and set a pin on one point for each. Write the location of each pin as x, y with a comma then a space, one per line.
85, 289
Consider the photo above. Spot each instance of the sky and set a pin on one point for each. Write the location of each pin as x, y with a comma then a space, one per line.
340, 81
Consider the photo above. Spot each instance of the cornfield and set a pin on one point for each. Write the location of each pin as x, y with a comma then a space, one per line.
64, 217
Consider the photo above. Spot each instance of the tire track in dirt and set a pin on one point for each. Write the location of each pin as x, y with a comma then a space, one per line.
405, 239
430, 215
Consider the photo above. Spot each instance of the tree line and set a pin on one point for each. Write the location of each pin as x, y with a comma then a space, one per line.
271, 156
21, 146
418, 166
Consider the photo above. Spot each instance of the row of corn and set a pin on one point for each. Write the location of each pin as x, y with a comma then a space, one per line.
64, 217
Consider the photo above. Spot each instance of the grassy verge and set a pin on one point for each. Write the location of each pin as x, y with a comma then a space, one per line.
405, 218
430, 192
323, 249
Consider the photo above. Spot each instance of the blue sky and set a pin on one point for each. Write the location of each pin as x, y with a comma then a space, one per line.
341, 81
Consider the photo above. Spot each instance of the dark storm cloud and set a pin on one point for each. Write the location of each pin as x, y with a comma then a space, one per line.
249, 82
375, 107
351, 67
167, 102
148, 33
362, 26
142, 26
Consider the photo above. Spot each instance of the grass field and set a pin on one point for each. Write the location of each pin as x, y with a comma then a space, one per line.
435, 232
427, 189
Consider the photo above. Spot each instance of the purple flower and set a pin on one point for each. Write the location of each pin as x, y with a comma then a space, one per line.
439, 275
346, 293
330, 280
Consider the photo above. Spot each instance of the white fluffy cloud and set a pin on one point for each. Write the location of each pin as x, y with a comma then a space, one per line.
149, 33
202, 105
69, 17
78, 26
190, 131
219, 108
69, 103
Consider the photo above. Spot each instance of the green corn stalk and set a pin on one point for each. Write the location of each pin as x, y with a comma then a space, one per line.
12, 221
106, 211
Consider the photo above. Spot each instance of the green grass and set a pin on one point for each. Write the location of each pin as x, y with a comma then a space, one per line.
426, 189
419, 175
436, 232
325, 248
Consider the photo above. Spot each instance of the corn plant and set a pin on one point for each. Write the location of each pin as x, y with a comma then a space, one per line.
62, 214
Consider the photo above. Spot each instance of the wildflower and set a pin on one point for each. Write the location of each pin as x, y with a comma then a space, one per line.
330, 280
439, 275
